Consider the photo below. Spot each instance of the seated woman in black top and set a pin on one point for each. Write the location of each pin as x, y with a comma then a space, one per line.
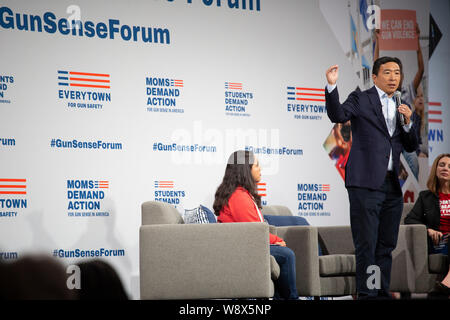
432, 208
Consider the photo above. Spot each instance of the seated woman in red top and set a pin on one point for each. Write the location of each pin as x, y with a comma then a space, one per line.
236, 200
432, 209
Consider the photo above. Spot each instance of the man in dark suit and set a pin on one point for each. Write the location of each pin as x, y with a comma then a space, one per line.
371, 173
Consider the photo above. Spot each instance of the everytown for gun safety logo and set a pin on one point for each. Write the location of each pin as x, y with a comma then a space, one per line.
12, 196
86, 198
84, 90
306, 103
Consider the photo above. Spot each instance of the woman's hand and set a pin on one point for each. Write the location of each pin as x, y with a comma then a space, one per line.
281, 243
435, 236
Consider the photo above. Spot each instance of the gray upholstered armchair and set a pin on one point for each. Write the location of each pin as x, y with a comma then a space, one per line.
331, 274
202, 261
414, 270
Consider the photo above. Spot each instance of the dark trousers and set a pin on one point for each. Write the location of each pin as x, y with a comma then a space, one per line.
375, 219
285, 285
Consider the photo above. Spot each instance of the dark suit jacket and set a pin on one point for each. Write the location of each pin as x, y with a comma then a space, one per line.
425, 211
371, 143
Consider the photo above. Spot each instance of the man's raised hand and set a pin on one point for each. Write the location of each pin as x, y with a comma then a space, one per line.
332, 74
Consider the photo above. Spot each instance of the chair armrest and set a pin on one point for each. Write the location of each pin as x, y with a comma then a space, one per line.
198, 261
410, 271
273, 229
303, 240
336, 240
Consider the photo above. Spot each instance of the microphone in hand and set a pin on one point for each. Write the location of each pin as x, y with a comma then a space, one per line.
398, 102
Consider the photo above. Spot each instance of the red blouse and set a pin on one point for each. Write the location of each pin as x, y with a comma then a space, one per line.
444, 204
241, 208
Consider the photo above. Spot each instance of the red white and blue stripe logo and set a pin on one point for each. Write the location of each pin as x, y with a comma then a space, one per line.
101, 184
306, 94
83, 79
435, 112
176, 83
233, 85
13, 186
262, 189
164, 184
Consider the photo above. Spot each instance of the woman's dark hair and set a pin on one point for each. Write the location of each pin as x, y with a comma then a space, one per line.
237, 173
377, 64
34, 277
100, 281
